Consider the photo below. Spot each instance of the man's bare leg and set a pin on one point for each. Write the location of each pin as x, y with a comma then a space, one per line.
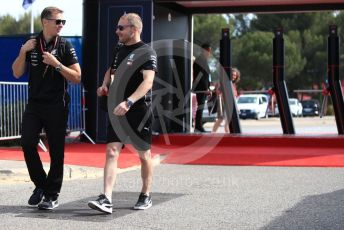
217, 124
146, 170
110, 169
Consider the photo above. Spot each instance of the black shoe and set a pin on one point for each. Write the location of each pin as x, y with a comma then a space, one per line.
36, 197
102, 204
200, 130
144, 202
48, 204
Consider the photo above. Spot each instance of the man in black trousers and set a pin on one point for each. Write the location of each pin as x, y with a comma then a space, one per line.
51, 62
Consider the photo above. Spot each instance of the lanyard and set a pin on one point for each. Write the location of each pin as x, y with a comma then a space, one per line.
42, 42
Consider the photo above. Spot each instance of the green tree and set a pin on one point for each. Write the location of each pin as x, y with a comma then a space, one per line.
294, 61
308, 32
207, 29
10, 26
305, 38
7, 25
241, 23
339, 21
252, 54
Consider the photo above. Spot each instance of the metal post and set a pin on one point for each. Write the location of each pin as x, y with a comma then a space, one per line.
32, 22
82, 131
279, 84
333, 78
226, 83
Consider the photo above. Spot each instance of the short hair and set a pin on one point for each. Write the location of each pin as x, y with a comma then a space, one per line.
206, 46
238, 75
134, 20
48, 11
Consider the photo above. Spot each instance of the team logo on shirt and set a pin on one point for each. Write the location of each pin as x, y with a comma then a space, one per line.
54, 52
34, 58
73, 52
154, 62
130, 59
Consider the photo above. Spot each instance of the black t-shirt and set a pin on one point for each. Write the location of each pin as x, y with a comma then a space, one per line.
46, 85
127, 66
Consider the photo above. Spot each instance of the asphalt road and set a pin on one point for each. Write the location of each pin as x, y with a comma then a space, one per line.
193, 197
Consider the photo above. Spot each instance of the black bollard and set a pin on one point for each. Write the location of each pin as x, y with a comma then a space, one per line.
279, 84
333, 78
226, 83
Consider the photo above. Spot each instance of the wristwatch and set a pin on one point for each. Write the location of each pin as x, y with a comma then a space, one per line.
129, 103
58, 68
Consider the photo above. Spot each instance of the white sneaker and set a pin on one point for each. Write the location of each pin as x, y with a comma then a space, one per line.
48, 204
102, 204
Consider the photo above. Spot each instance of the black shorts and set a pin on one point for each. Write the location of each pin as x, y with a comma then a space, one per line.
133, 128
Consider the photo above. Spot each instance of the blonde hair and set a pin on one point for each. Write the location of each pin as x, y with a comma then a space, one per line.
134, 20
49, 11
238, 75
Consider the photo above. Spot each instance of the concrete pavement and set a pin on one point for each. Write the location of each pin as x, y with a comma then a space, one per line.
184, 197
16, 171
192, 197
272, 125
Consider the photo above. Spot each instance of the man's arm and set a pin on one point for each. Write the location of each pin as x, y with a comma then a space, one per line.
71, 73
144, 87
104, 88
19, 65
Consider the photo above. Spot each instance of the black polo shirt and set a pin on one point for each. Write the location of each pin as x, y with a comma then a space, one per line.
127, 65
46, 85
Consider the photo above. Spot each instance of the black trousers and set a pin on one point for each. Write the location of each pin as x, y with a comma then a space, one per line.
199, 112
53, 118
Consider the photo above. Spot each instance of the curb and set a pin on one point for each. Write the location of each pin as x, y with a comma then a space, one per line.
16, 171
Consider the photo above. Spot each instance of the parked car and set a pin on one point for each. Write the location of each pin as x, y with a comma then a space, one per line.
252, 106
295, 107
311, 107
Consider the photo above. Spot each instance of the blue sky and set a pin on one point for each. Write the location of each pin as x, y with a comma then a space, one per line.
72, 12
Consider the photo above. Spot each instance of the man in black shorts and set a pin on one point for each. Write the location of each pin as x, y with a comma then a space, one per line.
130, 79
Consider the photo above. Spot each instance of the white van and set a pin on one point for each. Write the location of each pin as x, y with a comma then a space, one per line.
295, 107
252, 106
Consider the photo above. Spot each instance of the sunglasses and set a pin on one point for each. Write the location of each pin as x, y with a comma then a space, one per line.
57, 21
122, 27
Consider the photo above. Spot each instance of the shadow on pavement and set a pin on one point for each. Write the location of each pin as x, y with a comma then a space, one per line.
79, 210
323, 211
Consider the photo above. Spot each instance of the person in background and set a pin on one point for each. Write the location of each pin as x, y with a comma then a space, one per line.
51, 62
201, 73
235, 77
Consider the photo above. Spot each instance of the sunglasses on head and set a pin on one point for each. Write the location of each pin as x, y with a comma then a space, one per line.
122, 27
57, 21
